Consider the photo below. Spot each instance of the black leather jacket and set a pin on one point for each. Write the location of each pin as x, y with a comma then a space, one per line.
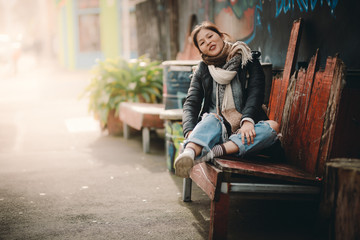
199, 94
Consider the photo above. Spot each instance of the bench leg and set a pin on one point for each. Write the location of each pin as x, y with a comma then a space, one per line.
126, 130
187, 184
219, 217
146, 139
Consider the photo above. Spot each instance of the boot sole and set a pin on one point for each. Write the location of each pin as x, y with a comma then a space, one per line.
183, 166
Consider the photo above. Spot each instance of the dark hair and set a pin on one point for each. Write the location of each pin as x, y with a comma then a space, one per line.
205, 25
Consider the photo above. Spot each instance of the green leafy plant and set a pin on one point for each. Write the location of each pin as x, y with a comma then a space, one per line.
116, 80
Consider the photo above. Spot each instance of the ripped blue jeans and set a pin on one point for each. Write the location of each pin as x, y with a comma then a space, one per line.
211, 131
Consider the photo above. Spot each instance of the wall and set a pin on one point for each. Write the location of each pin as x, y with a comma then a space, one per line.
148, 25
76, 48
157, 28
110, 23
67, 28
192, 13
330, 25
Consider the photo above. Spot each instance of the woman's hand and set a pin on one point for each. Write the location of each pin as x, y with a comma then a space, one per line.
247, 130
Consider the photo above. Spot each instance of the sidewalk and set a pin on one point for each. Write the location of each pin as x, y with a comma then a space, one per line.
62, 178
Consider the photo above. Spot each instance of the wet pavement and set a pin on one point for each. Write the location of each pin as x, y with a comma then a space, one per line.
61, 177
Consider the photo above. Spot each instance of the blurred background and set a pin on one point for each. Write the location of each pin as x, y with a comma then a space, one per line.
80, 34
74, 33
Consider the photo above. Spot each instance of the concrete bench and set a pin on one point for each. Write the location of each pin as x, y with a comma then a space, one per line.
173, 134
141, 116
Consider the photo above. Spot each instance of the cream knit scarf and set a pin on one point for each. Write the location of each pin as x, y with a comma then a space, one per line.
224, 76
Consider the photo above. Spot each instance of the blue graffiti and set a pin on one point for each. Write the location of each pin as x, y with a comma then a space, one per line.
258, 10
303, 5
282, 6
239, 8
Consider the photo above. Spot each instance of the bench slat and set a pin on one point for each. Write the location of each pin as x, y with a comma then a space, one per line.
337, 77
316, 116
299, 108
269, 170
207, 177
273, 188
290, 62
274, 97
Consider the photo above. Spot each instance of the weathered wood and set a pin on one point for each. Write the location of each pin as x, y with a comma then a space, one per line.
286, 129
313, 125
299, 108
290, 62
139, 115
274, 97
208, 178
219, 211
337, 86
316, 114
293, 125
279, 171
340, 207
309, 81
301, 96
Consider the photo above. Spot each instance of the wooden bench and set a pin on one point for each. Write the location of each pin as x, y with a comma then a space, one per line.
305, 103
141, 116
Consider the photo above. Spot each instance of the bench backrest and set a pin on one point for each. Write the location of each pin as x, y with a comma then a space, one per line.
306, 103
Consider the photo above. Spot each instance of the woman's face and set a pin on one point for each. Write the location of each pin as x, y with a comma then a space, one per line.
210, 43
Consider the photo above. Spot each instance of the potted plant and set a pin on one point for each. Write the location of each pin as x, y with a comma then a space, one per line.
116, 80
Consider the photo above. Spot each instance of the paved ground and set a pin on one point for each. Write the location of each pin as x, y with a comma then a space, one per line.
62, 178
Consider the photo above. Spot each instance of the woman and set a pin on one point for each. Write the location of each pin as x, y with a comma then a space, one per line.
222, 113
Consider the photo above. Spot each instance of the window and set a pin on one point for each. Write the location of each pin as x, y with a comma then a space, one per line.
89, 33
89, 25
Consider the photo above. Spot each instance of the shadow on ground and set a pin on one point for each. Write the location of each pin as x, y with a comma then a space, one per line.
248, 218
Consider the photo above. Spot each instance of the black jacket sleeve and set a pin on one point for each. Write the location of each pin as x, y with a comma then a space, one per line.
193, 103
254, 94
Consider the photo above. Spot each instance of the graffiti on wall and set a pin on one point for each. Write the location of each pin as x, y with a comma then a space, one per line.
236, 17
329, 25
240, 18
303, 5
